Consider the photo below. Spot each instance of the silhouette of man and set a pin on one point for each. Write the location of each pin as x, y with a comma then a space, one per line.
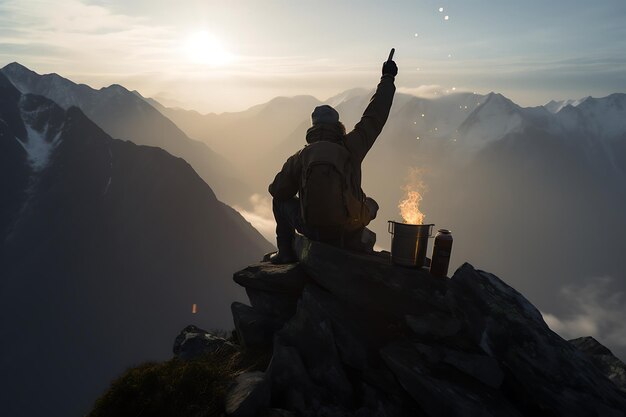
326, 175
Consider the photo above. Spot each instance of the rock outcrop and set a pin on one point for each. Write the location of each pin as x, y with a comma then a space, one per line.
603, 359
353, 335
193, 342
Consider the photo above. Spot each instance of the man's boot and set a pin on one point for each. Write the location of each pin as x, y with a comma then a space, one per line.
285, 254
368, 240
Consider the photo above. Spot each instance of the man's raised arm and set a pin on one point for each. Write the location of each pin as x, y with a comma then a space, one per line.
360, 140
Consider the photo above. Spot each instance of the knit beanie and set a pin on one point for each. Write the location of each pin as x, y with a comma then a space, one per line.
324, 114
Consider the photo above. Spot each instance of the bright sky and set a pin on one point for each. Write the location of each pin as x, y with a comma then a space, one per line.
230, 54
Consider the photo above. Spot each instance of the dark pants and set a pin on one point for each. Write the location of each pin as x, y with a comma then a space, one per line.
289, 220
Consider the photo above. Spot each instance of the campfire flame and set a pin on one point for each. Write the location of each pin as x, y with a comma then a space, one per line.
409, 207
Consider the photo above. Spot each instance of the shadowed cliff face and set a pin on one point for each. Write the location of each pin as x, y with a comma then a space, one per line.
104, 247
352, 334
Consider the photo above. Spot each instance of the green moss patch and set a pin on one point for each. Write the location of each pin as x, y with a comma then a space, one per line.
177, 388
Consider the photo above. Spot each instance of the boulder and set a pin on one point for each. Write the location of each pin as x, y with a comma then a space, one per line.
265, 276
276, 412
434, 325
254, 330
276, 304
371, 282
481, 367
248, 395
193, 342
603, 359
312, 335
291, 386
543, 372
440, 391
369, 338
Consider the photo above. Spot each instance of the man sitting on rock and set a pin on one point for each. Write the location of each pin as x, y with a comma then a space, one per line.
326, 175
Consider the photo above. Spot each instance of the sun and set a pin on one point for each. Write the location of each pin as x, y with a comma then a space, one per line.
205, 49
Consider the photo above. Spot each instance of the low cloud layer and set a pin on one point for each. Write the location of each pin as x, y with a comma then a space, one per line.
597, 310
431, 91
260, 215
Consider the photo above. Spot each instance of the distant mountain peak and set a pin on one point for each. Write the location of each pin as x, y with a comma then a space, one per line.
118, 88
17, 70
347, 95
495, 117
497, 99
555, 106
15, 67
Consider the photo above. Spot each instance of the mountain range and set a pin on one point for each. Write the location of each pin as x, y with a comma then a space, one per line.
104, 247
97, 229
126, 115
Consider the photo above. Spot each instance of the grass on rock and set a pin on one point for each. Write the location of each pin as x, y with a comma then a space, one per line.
178, 388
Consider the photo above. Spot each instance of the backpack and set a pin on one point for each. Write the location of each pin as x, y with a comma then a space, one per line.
328, 197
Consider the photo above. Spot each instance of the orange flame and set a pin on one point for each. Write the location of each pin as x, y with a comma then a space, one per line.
194, 309
409, 207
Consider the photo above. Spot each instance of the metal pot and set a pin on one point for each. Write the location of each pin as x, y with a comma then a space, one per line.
409, 243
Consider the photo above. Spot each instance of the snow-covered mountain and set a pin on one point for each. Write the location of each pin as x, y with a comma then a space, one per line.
125, 115
104, 247
598, 117
496, 117
555, 106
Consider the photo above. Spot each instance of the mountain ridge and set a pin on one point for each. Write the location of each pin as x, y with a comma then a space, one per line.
124, 115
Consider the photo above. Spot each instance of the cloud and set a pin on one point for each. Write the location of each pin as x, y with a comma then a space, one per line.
87, 37
431, 91
260, 215
98, 46
597, 309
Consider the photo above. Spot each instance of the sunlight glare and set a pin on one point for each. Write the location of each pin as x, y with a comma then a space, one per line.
205, 49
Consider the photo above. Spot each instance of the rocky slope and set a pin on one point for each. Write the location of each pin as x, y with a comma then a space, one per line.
352, 335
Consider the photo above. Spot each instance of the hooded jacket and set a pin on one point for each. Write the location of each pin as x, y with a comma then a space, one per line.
358, 142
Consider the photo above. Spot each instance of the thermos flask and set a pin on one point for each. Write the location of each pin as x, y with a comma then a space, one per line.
441, 253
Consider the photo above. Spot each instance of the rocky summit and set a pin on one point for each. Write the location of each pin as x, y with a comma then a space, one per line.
353, 335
